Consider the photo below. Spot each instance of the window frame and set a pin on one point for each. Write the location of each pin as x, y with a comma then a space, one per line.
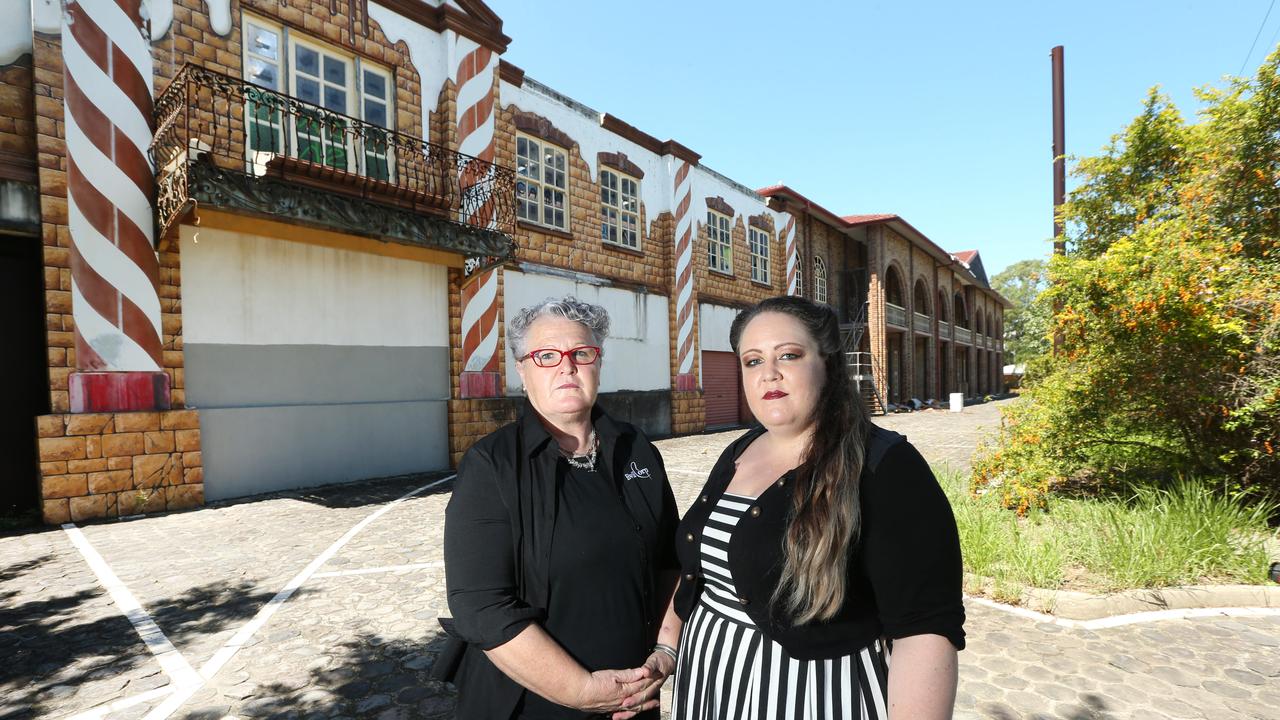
540, 183
287, 39
819, 279
799, 273
757, 238
620, 213
719, 236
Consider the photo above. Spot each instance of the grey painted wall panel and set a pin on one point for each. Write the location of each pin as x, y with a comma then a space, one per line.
252, 450
226, 376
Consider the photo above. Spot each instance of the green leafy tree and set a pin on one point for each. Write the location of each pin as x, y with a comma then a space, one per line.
1026, 324
1168, 306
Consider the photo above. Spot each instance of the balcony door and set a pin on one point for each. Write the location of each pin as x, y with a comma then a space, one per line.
321, 79
333, 87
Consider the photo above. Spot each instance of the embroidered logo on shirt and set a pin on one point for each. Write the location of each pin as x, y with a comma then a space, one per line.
636, 472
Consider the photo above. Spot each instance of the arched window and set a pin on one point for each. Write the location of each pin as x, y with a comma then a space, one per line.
977, 322
921, 297
799, 274
961, 312
943, 315
819, 280
893, 288
991, 328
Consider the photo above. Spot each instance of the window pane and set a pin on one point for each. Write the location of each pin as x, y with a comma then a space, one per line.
375, 112
375, 85
335, 99
264, 74
335, 70
264, 42
309, 91
306, 60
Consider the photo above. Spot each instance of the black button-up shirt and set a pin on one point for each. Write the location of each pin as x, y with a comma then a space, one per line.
526, 540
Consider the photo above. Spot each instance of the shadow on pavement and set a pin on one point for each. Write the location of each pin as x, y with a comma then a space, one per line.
1090, 707
368, 677
50, 651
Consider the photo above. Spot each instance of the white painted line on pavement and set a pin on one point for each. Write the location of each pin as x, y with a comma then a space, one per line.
1122, 620
171, 661
103, 710
384, 569
242, 636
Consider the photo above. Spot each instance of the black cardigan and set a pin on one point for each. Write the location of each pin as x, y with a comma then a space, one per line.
497, 539
904, 576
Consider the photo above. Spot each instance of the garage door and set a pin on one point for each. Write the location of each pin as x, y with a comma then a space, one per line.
721, 388
312, 365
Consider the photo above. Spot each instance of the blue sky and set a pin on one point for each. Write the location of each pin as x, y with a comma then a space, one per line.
939, 111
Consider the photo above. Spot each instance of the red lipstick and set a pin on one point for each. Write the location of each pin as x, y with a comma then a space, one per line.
774, 395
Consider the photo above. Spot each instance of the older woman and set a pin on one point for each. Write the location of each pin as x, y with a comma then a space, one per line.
818, 544
559, 551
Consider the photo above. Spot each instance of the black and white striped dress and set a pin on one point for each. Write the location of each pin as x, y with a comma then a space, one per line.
729, 670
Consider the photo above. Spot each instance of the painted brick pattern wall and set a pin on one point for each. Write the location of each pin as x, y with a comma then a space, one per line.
17, 110
110, 465
738, 289
580, 248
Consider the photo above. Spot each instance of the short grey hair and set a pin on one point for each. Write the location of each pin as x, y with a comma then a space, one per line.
594, 317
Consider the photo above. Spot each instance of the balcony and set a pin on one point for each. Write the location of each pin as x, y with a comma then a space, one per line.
895, 315
225, 143
922, 323
944, 330
964, 335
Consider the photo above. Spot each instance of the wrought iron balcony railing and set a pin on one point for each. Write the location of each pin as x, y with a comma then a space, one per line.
232, 125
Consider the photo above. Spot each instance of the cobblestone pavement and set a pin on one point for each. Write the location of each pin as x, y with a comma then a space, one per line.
356, 636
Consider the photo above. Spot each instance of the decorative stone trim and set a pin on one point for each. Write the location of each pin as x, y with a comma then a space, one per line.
539, 126
719, 205
620, 162
761, 222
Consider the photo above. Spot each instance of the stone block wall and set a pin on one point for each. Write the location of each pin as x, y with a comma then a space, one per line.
105, 465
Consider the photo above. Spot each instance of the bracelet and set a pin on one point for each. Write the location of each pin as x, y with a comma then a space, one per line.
667, 650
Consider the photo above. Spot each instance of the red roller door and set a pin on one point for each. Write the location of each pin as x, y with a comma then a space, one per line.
721, 388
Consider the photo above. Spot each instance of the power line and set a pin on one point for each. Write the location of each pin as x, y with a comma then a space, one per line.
1255, 37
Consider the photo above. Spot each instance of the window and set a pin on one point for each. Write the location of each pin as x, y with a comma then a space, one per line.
893, 288
799, 274
336, 87
619, 209
719, 245
758, 244
542, 170
819, 280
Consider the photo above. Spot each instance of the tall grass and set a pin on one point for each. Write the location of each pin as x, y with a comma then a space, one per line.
1187, 534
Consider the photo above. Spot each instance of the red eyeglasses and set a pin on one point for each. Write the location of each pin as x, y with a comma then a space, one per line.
551, 357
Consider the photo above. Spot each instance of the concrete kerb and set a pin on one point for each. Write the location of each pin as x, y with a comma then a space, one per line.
1074, 605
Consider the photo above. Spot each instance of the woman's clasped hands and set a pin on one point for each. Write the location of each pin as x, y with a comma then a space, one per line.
625, 693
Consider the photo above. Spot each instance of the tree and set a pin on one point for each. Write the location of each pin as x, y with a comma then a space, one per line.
1026, 324
1168, 306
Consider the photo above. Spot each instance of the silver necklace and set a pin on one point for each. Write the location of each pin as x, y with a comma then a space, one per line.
583, 462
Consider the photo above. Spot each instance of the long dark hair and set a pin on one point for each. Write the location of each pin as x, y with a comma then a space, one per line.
825, 510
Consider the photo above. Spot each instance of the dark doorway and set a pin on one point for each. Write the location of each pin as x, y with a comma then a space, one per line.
24, 365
